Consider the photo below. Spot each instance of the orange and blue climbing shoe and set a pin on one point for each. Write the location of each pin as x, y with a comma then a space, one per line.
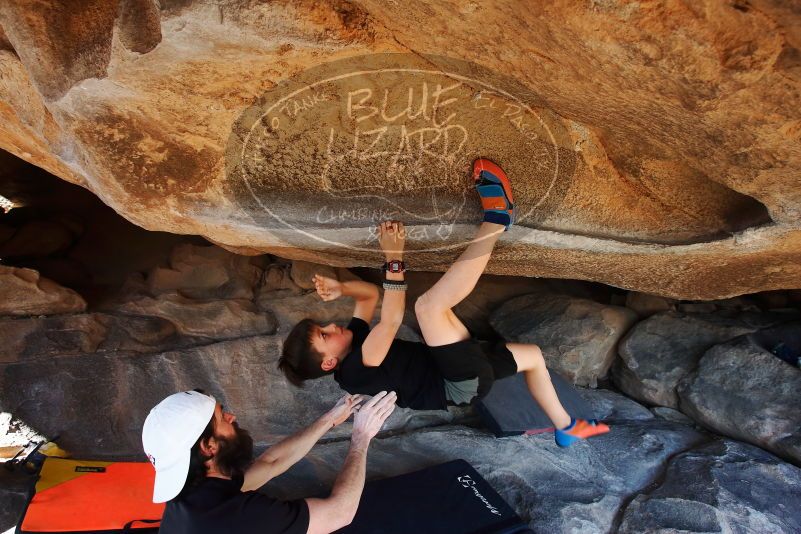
579, 429
495, 191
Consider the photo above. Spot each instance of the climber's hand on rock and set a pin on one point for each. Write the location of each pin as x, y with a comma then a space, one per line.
392, 238
327, 288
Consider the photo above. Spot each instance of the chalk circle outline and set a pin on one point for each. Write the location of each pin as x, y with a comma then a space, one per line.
308, 87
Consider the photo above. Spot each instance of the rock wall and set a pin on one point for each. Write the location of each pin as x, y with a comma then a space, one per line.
652, 146
204, 317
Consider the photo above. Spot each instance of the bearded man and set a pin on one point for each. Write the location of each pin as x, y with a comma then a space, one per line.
206, 474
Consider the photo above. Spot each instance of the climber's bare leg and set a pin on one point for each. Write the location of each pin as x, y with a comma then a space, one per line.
438, 324
531, 363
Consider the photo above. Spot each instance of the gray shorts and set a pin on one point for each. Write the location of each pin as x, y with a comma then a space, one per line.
461, 392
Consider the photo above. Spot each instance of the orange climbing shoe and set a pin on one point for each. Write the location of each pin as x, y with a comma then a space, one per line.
579, 429
495, 190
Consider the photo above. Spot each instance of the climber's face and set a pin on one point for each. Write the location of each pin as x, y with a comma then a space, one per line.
333, 342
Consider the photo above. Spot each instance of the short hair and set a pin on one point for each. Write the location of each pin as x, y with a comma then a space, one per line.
299, 360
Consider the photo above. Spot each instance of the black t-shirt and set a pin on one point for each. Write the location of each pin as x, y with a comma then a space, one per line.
408, 370
218, 506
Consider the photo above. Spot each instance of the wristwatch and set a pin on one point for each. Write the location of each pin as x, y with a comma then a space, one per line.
394, 266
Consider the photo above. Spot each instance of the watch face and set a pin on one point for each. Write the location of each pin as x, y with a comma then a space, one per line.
395, 266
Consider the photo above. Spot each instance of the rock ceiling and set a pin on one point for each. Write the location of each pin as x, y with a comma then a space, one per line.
653, 146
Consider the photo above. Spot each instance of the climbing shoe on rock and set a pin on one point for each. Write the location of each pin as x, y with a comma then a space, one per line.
495, 191
579, 429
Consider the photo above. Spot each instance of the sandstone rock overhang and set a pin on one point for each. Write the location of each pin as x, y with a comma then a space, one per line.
653, 147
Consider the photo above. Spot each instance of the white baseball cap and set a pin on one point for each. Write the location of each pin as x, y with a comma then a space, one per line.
171, 429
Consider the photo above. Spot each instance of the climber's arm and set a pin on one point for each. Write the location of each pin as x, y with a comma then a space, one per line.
366, 296
364, 293
376, 346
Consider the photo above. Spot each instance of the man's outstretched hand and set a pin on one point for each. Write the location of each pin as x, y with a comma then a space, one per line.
338, 510
370, 417
327, 288
343, 408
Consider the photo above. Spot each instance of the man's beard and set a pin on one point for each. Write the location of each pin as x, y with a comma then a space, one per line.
234, 454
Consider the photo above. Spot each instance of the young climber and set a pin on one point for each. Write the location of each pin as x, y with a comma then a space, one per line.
451, 366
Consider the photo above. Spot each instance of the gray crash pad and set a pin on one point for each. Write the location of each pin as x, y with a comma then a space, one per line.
510, 410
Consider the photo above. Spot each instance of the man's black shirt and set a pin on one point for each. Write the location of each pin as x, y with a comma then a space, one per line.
408, 370
217, 506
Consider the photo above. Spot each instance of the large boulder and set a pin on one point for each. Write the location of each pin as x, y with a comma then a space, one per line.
38, 238
641, 157
278, 277
723, 486
592, 485
206, 272
608, 405
578, 337
646, 305
741, 390
658, 351
580, 489
25, 292
30, 338
216, 319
